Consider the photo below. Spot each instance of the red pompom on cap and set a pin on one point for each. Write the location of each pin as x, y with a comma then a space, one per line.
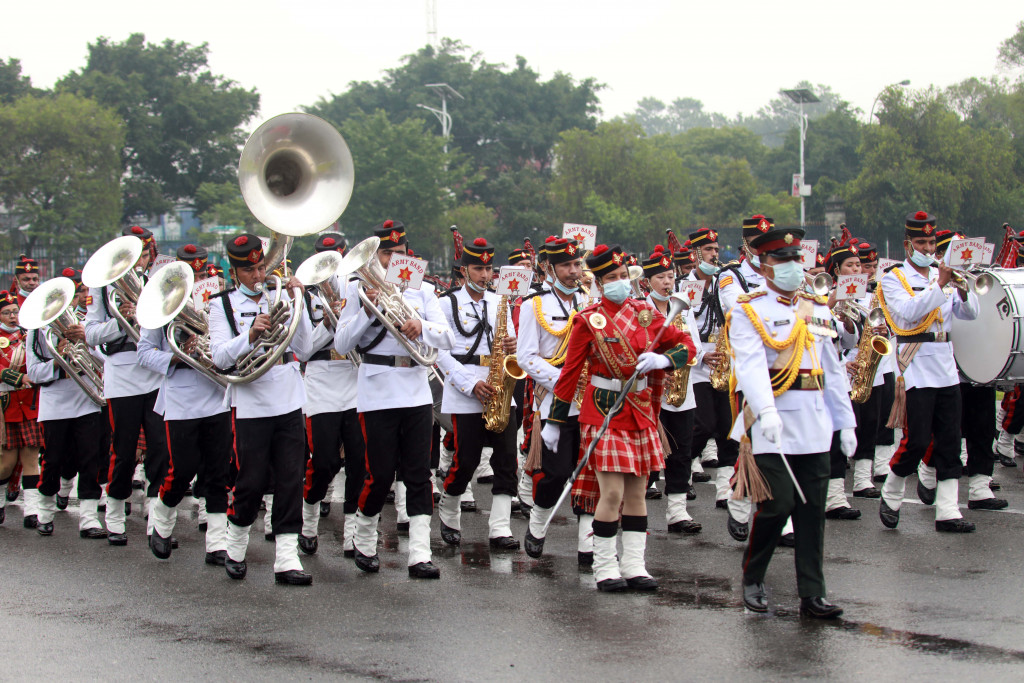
68, 272
479, 242
241, 240
388, 224
550, 239
921, 216
600, 249
137, 230
190, 248
328, 241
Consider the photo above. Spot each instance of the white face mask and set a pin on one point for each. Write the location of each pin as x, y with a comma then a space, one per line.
920, 259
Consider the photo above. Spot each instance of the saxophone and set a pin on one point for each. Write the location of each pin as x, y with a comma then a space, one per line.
870, 350
720, 374
502, 375
679, 379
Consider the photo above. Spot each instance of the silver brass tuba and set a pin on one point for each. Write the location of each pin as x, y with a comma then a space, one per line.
317, 270
50, 304
113, 265
390, 309
167, 300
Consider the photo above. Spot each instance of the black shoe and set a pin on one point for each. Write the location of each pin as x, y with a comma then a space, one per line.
12, 495
294, 577
687, 526
62, 502
137, 485
45, 529
584, 560
3, 515
755, 598
269, 537
160, 546
236, 570
117, 539
203, 526
390, 498
879, 478
127, 508
467, 505
525, 510
488, 479
1006, 461
652, 494
712, 463
957, 526
437, 497
402, 526
350, 553
424, 570
988, 504
819, 608
533, 546
869, 492
788, 540
890, 518
504, 543
368, 563
174, 541
738, 530
309, 544
30, 521
701, 477
995, 486
843, 513
612, 585
722, 504
925, 494
325, 508
449, 535
642, 583
691, 494
216, 558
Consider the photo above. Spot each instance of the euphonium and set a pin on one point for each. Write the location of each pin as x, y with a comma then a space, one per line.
502, 376
679, 379
50, 304
870, 350
113, 265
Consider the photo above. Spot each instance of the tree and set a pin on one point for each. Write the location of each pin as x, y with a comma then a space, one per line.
684, 114
222, 204
12, 84
775, 119
59, 168
1011, 52
183, 123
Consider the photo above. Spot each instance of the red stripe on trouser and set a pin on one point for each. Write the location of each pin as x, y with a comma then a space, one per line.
369, 472
309, 460
113, 455
927, 459
169, 479
455, 454
901, 449
234, 449
1010, 405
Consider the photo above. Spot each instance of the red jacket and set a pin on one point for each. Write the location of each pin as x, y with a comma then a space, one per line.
23, 404
622, 332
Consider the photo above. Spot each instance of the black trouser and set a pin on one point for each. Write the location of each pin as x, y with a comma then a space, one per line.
712, 420
811, 471
265, 448
470, 438
933, 418
129, 414
397, 443
67, 467
679, 430
836, 459
979, 427
519, 397
328, 433
435, 447
557, 466
868, 414
886, 435
78, 440
199, 446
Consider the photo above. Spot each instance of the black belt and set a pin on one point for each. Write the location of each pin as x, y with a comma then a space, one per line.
705, 337
804, 381
323, 354
474, 360
389, 361
923, 338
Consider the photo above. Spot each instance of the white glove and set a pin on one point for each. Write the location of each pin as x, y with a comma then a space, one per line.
771, 424
549, 435
651, 361
848, 442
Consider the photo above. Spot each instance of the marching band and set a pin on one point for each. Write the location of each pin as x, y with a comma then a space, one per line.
284, 383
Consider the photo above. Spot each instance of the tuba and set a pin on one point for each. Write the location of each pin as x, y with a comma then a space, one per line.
167, 300
317, 270
50, 304
113, 265
503, 374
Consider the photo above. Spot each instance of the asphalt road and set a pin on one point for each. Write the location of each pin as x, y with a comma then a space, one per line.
919, 606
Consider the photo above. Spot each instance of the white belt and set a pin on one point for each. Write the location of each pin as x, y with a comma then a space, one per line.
616, 384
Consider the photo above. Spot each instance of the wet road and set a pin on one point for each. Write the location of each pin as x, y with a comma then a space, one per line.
919, 605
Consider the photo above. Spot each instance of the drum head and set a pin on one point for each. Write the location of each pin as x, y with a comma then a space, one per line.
983, 346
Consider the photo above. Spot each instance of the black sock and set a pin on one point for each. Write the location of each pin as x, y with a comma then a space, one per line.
634, 522
606, 529
30, 481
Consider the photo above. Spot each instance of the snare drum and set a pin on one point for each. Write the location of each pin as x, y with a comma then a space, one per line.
990, 348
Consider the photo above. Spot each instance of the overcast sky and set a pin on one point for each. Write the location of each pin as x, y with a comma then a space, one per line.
734, 56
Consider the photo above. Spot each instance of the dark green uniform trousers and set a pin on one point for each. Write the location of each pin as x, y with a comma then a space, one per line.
812, 472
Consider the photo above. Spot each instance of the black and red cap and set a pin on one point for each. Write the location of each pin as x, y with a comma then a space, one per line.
26, 265
331, 241
477, 253
7, 299
244, 250
605, 259
517, 255
868, 252
755, 226
563, 250
194, 255
701, 237
920, 224
391, 234
660, 261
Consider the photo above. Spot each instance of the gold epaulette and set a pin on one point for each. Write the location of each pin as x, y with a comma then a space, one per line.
823, 300
750, 296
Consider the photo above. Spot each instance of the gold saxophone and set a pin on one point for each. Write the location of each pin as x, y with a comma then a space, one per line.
679, 379
870, 350
720, 374
502, 376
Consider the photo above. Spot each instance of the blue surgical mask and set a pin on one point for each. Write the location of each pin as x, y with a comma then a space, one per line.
755, 262
22, 292
788, 276
660, 297
251, 292
707, 268
475, 287
563, 289
920, 260
7, 328
616, 291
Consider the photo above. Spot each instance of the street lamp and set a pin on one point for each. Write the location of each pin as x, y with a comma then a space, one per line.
871, 115
802, 96
445, 91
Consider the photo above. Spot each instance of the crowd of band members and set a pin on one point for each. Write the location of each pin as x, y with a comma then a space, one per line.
786, 415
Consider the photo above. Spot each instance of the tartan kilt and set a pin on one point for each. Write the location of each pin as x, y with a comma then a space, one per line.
24, 434
633, 451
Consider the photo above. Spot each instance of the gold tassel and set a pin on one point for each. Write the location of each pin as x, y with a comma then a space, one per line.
898, 415
533, 456
748, 481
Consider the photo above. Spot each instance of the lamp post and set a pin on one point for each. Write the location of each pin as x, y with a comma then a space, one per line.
801, 96
871, 115
445, 91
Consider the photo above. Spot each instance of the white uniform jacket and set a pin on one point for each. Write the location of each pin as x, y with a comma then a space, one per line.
691, 326
185, 394
380, 386
729, 288
122, 374
63, 399
460, 374
330, 382
280, 390
701, 372
535, 344
808, 417
933, 365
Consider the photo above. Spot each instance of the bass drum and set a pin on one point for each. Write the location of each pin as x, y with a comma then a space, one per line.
990, 348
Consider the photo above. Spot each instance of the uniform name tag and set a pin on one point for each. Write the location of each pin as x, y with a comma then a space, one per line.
611, 340
559, 317
779, 323
918, 289
249, 314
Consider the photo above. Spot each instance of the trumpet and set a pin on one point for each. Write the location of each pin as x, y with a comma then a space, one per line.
113, 264
50, 304
819, 284
979, 283
851, 309
636, 273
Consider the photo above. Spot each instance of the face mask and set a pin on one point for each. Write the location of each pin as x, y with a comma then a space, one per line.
660, 297
616, 291
707, 268
255, 291
920, 260
755, 262
562, 288
475, 287
7, 328
789, 276
22, 292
